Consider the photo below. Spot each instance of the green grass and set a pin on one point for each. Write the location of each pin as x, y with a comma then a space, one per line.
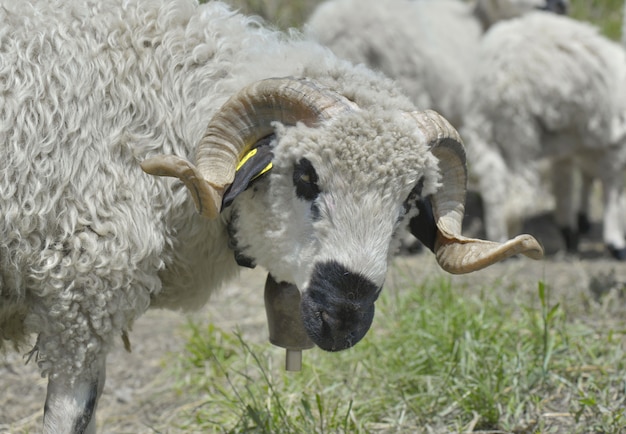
438, 357
606, 14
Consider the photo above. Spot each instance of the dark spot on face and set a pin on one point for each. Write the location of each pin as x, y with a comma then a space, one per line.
338, 306
241, 259
315, 211
305, 180
414, 196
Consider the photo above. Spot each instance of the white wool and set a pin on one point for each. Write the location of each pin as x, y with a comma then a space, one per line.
428, 46
553, 88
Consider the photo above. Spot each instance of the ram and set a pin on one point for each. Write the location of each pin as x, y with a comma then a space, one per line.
303, 164
550, 89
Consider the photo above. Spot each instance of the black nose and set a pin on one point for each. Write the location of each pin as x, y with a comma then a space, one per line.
338, 306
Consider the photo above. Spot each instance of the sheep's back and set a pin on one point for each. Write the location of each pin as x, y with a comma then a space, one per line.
427, 46
544, 74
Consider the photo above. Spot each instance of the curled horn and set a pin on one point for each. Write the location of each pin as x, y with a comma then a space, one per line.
455, 253
242, 121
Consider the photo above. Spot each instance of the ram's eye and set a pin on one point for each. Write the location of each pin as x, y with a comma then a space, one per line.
305, 180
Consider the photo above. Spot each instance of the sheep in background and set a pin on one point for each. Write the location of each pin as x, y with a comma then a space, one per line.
309, 177
549, 89
428, 46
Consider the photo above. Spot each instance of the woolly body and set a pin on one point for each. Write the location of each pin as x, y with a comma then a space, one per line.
76, 207
428, 46
547, 87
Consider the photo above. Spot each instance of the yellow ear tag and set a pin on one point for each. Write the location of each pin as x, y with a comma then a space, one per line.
265, 169
251, 153
247, 157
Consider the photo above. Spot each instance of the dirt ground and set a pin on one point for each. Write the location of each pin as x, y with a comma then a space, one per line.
140, 397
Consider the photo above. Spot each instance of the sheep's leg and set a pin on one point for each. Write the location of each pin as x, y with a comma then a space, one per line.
584, 224
613, 229
565, 210
493, 178
71, 408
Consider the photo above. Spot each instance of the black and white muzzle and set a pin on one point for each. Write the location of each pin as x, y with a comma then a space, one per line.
338, 306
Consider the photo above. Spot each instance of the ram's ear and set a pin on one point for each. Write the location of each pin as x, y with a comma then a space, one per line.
256, 162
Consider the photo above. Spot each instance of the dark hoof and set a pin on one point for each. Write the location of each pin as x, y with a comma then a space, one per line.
619, 254
570, 237
584, 225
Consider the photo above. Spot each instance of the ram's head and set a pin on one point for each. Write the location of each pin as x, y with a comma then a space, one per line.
343, 183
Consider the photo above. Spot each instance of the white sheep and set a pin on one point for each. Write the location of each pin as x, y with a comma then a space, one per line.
428, 46
310, 176
549, 89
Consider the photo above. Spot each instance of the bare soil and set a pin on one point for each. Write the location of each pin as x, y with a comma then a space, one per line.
140, 394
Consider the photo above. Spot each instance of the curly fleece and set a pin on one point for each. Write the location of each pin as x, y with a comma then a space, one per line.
87, 240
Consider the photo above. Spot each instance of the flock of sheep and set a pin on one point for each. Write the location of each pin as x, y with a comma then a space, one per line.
149, 148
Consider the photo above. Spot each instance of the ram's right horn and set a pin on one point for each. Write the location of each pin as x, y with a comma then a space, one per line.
243, 120
441, 215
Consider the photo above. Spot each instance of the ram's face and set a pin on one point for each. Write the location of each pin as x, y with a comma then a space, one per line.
325, 217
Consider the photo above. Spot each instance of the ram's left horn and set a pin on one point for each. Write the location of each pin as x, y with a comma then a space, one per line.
243, 120
455, 253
